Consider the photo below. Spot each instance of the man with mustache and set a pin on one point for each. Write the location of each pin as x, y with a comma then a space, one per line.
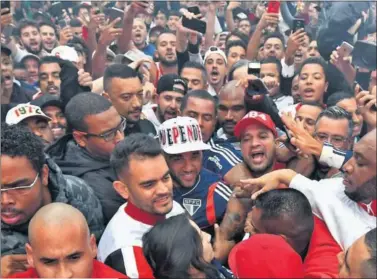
347, 205
30, 40
49, 76
53, 108
170, 91
123, 88
215, 63
29, 181
198, 190
166, 53
139, 37
230, 110
144, 180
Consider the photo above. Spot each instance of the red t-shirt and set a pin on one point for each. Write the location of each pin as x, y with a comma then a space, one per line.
321, 260
100, 270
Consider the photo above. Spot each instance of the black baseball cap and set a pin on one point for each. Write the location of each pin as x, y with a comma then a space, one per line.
168, 83
48, 100
6, 50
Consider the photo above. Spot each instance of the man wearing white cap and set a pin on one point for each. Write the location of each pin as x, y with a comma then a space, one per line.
198, 190
66, 53
32, 117
215, 63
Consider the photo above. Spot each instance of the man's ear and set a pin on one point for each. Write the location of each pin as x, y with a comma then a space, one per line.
80, 138
29, 254
93, 245
156, 99
121, 188
45, 173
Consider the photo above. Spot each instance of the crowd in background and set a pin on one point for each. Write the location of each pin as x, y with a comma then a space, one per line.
188, 139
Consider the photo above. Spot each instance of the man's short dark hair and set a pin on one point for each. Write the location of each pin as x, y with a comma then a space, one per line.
76, 9
161, 11
49, 60
289, 204
138, 146
234, 44
166, 31
238, 34
276, 35
82, 105
337, 113
50, 24
369, 266
19, 141
196, 65
26, 23
200, 94
310, 103
273, 60
74, 22
118, 71
338, 96
316, 60
156, 29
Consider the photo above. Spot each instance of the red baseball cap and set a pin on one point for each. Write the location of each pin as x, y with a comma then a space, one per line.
255, 117
265, 256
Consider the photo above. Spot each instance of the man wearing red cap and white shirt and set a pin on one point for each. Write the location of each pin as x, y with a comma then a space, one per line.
32, 117
257, 134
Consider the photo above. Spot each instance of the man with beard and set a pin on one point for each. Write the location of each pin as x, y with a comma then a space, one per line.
257, 134
230, 110
143, 179
53, 107
170, 91
49, 76
166, 54
139, 37
123, 88
96, 127
195, 75
11, 92
30, 40
198, 190
33, 118
48, 36
348, 204
215, 63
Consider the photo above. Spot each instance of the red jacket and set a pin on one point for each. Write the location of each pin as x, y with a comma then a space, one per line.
321, 260
100, 270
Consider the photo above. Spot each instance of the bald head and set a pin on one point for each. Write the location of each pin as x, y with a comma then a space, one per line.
230, 90
54, 216
231, 108
59, 243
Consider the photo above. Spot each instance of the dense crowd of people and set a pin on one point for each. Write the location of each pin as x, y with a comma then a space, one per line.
188, 139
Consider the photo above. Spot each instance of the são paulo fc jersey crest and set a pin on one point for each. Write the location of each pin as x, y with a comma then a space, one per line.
192, 205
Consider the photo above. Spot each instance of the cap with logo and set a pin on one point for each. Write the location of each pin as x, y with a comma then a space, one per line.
65, 53
181, 134
47, 100
255, 117
27, 56
22, 112
215, 50
169, 82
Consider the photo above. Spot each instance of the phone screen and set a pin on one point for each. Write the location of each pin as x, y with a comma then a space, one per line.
298, 24
194, 24
195, 10
114, 13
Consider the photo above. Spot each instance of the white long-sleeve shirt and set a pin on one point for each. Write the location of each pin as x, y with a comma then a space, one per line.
347, 221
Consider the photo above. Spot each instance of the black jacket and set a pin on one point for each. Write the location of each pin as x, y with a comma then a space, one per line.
75, 160
143, 126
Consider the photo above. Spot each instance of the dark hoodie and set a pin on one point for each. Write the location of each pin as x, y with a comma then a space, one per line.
75, 160
63, 188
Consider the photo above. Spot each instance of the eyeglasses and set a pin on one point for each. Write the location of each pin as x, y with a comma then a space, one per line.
334, 140
110, 135
20, 190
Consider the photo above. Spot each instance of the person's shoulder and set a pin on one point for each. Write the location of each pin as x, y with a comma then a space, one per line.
30, 273
147, 127
101, 270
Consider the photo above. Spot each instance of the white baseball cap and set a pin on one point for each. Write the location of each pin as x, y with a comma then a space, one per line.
23, 111
66, 53
215, 50
181, 134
